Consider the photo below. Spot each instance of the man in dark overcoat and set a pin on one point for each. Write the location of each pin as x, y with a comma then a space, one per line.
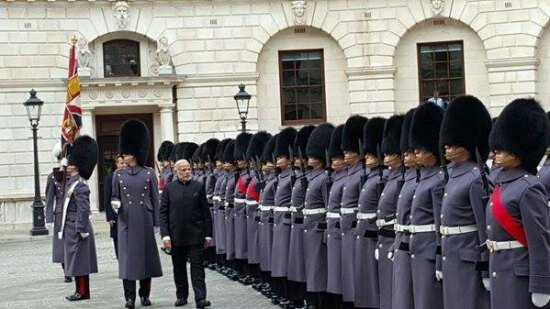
110, 214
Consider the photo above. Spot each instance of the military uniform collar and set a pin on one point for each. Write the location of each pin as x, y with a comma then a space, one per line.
317, 172
510, 175
429, 172
394, 173
339, 175
410, 174
459, 169
285, 173
132, 170
355, 168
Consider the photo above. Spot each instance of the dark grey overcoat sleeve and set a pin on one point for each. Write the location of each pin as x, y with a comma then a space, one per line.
82, 199
164, 212
476, 200
50, 198
155, 199
437, 200
205, 211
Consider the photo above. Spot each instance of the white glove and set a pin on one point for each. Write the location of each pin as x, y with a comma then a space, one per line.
438, 275
486, 283
540, 300
157, 229
84, 235
376, 254
49, 225
115, 205
390, 255
64, 162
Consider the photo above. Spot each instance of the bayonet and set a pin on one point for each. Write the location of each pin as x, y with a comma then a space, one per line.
444, 164
362, 155
485, 181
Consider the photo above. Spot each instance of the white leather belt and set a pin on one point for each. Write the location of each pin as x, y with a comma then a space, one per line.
317, 211
495, 246
250, 203
348, 211
226, 204
362, 216
382, 222
293, 209
266, 208
455, 230
401, 228
421, 228
217, 198
209, 196
333, 215
281, 209
239, 200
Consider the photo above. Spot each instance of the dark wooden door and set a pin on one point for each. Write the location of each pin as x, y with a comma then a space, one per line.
107, 131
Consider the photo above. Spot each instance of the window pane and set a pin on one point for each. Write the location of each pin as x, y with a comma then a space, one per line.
289, 95
315, 77
455, 69
440, 55
441, 70
289, 78
428, 88
121, 58
290, 112
303, 95
427, 70
315, 60
457, 87
316, 94
317, 111
302, 78
288, 64
303, 111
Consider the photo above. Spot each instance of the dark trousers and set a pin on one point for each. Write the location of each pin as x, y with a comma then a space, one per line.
130, 288
115, 242
179, 259
82, 284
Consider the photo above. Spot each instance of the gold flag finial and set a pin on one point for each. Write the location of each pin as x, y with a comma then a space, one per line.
74, 39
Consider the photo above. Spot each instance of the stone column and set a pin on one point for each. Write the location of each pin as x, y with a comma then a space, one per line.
167, 122
88, 128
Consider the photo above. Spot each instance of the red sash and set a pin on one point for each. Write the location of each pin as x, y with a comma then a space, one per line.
242, 186
162, 185
508, 223
252, 193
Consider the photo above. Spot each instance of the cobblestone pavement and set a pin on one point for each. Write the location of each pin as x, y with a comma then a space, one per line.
28, 279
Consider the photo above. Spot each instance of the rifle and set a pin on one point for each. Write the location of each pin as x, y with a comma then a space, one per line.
486, 183
444, 165
362, 154
303, 179
381, 182
329, 171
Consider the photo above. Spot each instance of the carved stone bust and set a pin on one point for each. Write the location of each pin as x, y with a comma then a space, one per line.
437, 6
299, 11
162, 51
84, 53
121, 12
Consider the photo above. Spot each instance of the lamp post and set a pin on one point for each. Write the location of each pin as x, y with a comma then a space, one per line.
34, 108
242, 98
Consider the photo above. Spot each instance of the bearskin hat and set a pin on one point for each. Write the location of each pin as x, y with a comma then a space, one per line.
392, 135
196, 158
229, 152
467, 123
319, 142
84, 155
335, 146
353, 133
189, 150
241, 145
164, 151
301, 140
373, 132
134, 140
221, 148
208, 153
405, 144
269, 150
285, 140
522, 129
177, 152
425, 128
256, 145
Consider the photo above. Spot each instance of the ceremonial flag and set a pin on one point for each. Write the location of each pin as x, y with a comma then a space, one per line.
72, 116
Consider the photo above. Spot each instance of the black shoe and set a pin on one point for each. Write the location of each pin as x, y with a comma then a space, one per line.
68, 279
286, 304
275, 299
76, 297
180, 302
203, 303
249, 281
130, 303
212, 266
145, 301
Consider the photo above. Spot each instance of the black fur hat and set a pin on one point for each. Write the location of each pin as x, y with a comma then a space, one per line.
285, 140
241, 145
353, 133
425, 128
335, 146
208, 153
319, 141
405, 144
229, 152
189, 150
84, 155
467, 124
373, 131
177, 152
522, 129
221, 148
301, 140
392, 135
256, 145
269, 150
164, 151
134, 140
196, 158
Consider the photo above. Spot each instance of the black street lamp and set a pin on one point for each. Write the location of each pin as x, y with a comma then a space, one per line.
243, 99
34, 108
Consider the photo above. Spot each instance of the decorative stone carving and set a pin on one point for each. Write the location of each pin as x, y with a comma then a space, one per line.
163, 57
437, 6
84, 57
299, 12
121, 12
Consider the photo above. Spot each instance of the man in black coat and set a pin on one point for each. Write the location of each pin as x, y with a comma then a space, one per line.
186, 229
109, 212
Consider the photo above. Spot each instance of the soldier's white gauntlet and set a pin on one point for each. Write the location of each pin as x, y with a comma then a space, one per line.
486, 283
376, 254
540, 300
438, 275
49, 225
115, 204
390, 255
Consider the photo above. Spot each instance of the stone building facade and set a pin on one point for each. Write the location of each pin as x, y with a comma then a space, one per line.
370, 57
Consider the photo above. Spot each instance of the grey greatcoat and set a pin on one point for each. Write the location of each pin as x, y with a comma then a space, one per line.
367, 293
219, 212
425, 210
281, 225
79, 252
314, 232
350, 197
265, 227
229, 203
334, 234
386, 235
210, 184
136, 189
252, 221
544, 175
517, 273
402, 284
296, 264
463, 206
54, 212
241, 248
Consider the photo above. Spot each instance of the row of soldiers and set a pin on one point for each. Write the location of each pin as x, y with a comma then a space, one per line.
384, 213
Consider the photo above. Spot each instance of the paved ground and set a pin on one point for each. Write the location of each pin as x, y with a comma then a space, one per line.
28, 279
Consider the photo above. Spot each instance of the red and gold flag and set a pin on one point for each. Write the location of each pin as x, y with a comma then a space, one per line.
72, 115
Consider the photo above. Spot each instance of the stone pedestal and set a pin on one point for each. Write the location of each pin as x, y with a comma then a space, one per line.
165, 70
84, 72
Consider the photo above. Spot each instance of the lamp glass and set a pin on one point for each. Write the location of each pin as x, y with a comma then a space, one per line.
34, 107
242, 98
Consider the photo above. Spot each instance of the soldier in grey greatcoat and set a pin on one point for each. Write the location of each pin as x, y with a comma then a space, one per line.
229, 204
334, 234
208, 156
387, 205
366, 267
351, 139
544, 171
402, 285
426, 208
163, 157
282, 216
219, 208
76, 227
136, 199
54, 207
315, 225
464, 131
517, 216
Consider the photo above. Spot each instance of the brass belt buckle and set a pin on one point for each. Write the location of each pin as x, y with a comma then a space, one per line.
491, 246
